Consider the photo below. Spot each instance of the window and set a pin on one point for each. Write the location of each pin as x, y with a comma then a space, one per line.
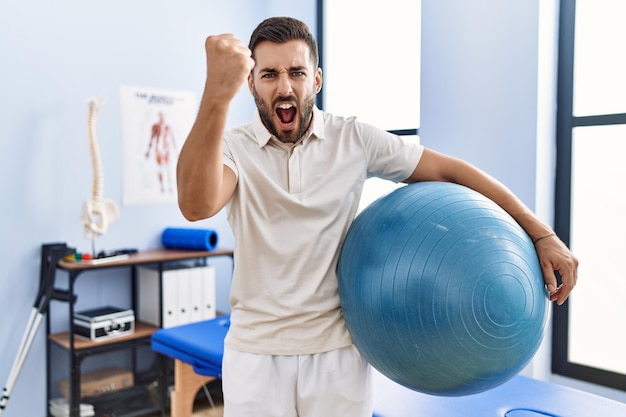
370, 57
589, 338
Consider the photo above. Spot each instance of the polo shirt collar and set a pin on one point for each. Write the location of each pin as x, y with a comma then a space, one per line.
263, 135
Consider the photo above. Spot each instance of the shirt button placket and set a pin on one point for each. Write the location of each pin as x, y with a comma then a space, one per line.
294, 171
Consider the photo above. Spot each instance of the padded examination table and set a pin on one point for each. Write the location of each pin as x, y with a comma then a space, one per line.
198, 348
519, 397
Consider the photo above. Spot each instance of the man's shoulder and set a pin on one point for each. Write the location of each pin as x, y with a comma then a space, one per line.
240, 134
242, 129
337, 118
333, 124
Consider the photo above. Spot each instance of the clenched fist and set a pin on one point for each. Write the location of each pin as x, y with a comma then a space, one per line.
229, 62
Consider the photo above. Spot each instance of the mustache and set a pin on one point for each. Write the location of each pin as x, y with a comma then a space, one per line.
287, 99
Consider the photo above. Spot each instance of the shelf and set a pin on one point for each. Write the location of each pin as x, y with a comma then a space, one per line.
141, 330
127, 402
80, 348
148, 257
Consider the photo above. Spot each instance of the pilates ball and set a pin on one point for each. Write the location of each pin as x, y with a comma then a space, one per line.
441, 290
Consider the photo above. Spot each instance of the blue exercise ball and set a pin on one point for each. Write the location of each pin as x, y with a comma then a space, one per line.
442, 290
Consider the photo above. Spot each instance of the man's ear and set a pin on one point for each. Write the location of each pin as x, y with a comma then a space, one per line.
318, 80
250, 82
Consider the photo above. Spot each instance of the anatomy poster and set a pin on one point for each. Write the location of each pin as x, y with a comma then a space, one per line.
155, 123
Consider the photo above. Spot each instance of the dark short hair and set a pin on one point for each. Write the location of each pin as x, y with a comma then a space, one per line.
281, 30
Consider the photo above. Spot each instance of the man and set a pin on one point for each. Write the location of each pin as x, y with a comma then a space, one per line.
291, 180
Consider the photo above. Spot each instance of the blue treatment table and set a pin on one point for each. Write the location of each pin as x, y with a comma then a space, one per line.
519, 397
197, 350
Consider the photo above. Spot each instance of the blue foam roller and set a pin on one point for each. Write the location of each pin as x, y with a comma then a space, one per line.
189, 239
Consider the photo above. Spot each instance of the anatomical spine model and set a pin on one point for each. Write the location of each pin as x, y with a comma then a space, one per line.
98, 212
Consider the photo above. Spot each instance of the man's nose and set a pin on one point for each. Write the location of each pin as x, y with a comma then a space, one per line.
284, 85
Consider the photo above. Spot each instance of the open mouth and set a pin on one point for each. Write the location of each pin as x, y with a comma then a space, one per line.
286, 113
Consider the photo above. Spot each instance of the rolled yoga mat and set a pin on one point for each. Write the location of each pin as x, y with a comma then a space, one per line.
189, 239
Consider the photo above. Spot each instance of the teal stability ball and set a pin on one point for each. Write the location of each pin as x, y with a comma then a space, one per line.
441, 290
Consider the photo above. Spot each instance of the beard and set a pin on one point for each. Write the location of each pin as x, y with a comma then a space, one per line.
305, 111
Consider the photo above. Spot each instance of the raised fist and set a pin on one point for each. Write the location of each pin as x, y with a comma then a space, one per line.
229, 62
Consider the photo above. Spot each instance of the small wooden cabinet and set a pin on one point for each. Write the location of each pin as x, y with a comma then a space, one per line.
135, 345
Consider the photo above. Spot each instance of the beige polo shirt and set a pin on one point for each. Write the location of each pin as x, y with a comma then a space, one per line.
290, 213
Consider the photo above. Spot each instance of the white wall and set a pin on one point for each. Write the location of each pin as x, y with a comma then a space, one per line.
53, 57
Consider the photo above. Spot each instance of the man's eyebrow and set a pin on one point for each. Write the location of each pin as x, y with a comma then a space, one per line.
291, 69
